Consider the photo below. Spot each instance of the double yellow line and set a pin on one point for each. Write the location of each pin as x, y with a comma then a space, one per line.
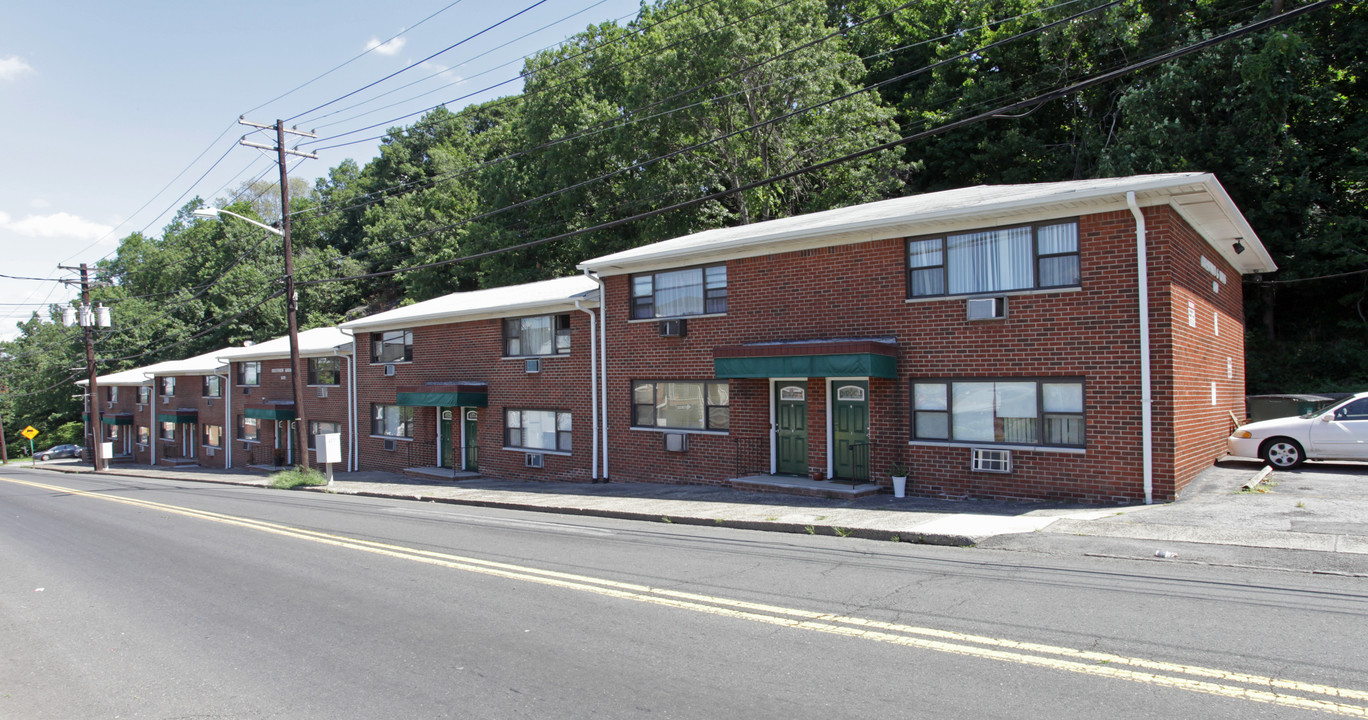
1192, 678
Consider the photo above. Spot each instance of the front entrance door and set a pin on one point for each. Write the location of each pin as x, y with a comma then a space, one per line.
850, 428
791, 428
472, 450
446, 458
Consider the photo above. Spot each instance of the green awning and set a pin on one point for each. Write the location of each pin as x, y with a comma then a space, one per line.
847, 358
443, 395
119, 419
184, 417
285, 412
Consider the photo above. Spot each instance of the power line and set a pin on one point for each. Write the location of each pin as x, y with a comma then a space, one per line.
954, 125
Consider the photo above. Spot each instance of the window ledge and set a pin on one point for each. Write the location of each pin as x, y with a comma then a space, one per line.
1004, 293
534, 451
338, 385
996, 446
677, 317
392, 437
244, 440
212, 447
535, 357
641, 428
390, 362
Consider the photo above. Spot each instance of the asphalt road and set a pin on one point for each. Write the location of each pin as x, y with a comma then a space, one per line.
126, 598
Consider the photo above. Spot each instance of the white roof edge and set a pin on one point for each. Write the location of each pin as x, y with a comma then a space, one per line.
247, 354
870, 229
441, 314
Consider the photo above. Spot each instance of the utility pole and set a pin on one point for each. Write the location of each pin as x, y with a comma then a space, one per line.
291, 297
87, 320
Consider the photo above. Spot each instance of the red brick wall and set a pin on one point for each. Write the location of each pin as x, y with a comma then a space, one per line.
127, 402
276, 384
473, 351
189, 395
859, 291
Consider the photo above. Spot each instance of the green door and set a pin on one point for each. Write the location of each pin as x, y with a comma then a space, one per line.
472, 450
851, 428
791, 441
444, 427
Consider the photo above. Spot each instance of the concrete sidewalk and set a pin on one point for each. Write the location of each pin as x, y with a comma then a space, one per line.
1307, 510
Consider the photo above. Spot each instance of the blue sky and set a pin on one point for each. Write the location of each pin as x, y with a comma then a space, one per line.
103, 105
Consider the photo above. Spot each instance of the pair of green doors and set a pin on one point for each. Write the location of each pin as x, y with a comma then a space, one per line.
850, 428
459, 450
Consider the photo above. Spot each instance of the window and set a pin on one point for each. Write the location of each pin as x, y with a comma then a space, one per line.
675, 293
538, 335
113, 393
144, 434
392, 346
213, 435
213, 386
1356, 410
681, 405
322, 427
537, 430
168, 386
325, 371
392, 421
249, 373
248, 429
168, 431
144, 394
1013, 412
1001, 260
113, 432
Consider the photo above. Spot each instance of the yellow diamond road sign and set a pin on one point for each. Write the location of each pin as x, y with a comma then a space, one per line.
29, 432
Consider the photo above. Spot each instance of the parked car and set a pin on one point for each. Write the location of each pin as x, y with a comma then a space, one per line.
1339, 432
61, 451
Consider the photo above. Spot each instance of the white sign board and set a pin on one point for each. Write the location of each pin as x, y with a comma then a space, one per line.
329, 447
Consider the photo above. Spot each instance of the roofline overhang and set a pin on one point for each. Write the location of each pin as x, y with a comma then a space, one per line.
1149, 192
379, 323
342, 348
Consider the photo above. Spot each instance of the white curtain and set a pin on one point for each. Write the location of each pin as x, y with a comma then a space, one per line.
679, 292
990, 261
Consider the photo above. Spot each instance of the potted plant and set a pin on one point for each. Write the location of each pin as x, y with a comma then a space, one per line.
898, 472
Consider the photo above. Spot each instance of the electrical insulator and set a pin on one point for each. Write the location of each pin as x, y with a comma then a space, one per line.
87, 316
68, 316
102, 316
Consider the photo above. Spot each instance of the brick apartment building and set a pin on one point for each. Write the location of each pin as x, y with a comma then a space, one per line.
494, 381
988, 338
125, 416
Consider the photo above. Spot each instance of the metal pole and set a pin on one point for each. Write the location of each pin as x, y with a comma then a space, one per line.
4, 450
292, 306
97, 446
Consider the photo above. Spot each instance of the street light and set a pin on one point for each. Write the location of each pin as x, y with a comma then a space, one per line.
291, 305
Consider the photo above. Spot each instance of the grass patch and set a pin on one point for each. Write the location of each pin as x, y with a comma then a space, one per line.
297, 476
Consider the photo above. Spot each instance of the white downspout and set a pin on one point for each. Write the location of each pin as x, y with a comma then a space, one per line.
593, 388
353, 445
1146, 397
227, 434
603, 366
155, 436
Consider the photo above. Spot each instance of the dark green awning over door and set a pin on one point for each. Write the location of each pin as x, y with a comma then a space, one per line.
848, 358
270, 413
443, 395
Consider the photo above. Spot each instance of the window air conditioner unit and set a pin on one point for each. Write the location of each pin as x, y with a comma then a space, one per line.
111, 403
389, 445
532, 366
676, 442
209, 452
246, 391
674, 328
998, 461
535, 460
987, 308
166, 399
209, 402
322, 392
389, 371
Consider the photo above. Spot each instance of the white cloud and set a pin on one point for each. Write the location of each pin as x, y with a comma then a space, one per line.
55, 226
388, 48
12, 67
39, 203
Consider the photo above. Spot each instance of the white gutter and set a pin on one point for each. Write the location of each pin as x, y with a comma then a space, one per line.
603, 364
593, 388
1146, 398
354, 446
155, 436
228, 426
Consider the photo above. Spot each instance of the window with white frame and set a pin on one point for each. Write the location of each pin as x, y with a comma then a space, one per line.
678, 405
1028, 257
213, 386
113, 393
1006, 411
249, 373
168, 386
249, 429
392, 346
394, 421
168, 431
144, 434
144, 394
321, 427
325, 371
537, 335
213, 436
679, 293
537, 430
